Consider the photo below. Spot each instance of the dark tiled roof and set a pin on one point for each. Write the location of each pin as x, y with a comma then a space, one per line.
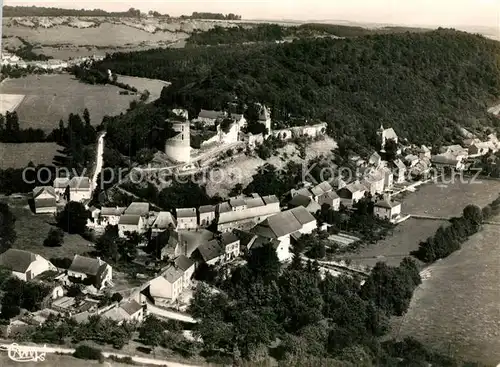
131, 307
86, 265
207, 208
300, 200
129, 219
210, 114
278, 225
112, 211
211, 250
302, 215
17, 260
228, 237
172, 274
183, 262
137, 208
186, 212
270, 199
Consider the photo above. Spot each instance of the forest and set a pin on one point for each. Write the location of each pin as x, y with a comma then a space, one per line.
269, 32
424, 85
36, 11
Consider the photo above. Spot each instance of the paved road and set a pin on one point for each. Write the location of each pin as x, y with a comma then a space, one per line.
169, 314
152, 361
99, 161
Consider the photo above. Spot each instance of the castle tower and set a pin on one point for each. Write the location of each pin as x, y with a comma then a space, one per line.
178, 148
265, 118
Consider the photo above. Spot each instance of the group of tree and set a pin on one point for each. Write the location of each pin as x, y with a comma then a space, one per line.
14, 180
346, 83
55, 238
26, 53
73, 218
7, 227
99, 76
112, 247
314, 317
10, 132
217, 16
17, 294
38, 11
448, 239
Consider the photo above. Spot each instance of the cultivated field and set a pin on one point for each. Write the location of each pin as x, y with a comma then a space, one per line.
20, 155
433, 200
154, 86
457, 308
50, 98
9, 102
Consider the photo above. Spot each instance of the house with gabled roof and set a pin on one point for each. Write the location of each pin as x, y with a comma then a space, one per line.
210, 253
330, 198
207, 214
352, 193
96, 270
387, 209
125, 312
307, 202
163, 221
167, 287
375, 159
374, 183
401, 170
130, 223
386, 134
186, 218
45, 200
187, 266
80, 189
280, 226
209, 117
25, 265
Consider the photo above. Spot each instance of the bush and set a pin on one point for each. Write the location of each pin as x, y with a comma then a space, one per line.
87, 352
54, 238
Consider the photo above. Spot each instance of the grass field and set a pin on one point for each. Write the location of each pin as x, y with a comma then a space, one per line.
9, 102
154, 86
436, 201
457, 308
19, 155
50, 98
32, 229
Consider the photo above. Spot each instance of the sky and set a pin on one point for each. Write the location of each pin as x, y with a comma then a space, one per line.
445, 13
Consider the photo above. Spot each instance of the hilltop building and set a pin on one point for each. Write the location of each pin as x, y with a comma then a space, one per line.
178, 147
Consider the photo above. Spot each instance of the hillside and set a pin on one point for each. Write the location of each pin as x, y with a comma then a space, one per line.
422, 84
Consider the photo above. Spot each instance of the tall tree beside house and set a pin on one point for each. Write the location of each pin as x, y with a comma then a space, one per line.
73, 218
7, 229
391, 149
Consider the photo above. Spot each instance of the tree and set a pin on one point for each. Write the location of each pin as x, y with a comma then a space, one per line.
473, 214
73, 218
86, 116
7, 230
391, 149
151, 332
54, 238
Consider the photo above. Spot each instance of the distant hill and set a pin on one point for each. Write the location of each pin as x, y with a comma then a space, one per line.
35, 11
424, 85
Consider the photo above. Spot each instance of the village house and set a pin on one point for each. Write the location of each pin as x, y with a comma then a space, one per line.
244, 213
97, 271
210, 253
374, 183
174, 243
209, 117
307, 202
25, 265
304, 191
479, 149
320, 189
388, 177
44, 199
110, 216
400, 168
280, 227
186, 218
387, 209
187, 266
128, 311
166, 288
80, 189
411, 160
448, 160
460, 153
338, 183
207, 215
231, 244
424, 152
375, 159
133, 219
352, 193
163, 222
330, 198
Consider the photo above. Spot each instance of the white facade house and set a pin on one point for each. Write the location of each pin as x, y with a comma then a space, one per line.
401, 170
130, 223
25, 265
281, 226
352, 193
386, 134
167, 287
186, 218
387, 209
207, 215
374, 183
80, 189
110, 216
388, 177
45, 200
187, 266
330, 198
99, 272
231, 244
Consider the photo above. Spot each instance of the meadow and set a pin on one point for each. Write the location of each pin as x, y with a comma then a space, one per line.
434, 200
456, 308
20, 155
50, 98
154, 86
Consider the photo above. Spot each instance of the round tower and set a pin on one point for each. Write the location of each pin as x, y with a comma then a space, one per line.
178, 148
